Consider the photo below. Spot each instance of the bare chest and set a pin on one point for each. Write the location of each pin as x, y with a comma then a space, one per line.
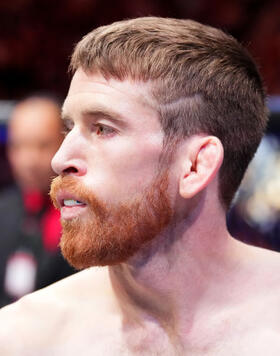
244, 336
103, 344
258, 343
108, 340
84, 333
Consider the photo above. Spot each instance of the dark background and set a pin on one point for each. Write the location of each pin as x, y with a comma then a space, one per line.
37, 36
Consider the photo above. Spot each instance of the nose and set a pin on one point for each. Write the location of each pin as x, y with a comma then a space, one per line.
69, 159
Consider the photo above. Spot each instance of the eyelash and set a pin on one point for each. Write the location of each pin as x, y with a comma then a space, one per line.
102, 130
99, 129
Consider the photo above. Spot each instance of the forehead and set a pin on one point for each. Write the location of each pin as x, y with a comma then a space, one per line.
94, 92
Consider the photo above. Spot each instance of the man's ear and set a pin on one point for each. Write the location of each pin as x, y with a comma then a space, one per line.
202, 161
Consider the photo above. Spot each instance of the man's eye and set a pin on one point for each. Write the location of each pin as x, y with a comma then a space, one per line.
103, 130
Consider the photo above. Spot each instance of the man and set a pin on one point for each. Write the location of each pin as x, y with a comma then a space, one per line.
30, 228
162, 118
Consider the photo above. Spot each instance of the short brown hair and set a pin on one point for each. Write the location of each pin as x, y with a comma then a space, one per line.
203, 80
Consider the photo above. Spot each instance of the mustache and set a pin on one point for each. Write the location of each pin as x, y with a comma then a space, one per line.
71, 185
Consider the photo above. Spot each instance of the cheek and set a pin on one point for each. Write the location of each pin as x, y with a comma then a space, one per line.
125, 170
136, 154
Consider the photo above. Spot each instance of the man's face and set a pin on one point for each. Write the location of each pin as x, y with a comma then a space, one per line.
112, 196
34, 135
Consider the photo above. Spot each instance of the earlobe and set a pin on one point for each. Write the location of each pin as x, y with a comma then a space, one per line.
205, 157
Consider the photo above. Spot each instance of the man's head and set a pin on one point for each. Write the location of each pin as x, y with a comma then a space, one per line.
151, 101
34, 135
203, 81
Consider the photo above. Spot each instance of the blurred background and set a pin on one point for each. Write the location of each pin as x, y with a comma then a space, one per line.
37, 38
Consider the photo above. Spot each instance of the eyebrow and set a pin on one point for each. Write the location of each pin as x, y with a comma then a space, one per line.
99, 113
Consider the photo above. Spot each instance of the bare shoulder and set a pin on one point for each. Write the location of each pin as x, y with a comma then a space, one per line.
39, 317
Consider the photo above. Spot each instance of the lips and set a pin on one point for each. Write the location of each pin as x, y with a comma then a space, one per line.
70, 206
67, 199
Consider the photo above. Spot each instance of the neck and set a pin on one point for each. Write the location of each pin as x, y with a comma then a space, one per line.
171, 282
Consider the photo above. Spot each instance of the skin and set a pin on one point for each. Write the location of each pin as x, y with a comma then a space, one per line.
193, 290
34, 135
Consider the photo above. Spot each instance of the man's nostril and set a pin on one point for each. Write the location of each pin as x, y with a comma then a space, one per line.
70, 170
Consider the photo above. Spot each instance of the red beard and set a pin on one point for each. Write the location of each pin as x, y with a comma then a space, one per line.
109, 235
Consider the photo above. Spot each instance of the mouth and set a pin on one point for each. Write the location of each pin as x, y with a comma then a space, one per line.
71, 203
70, 206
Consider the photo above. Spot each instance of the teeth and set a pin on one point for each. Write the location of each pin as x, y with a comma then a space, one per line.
71, 202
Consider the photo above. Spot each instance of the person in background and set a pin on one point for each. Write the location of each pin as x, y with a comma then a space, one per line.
29, 225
